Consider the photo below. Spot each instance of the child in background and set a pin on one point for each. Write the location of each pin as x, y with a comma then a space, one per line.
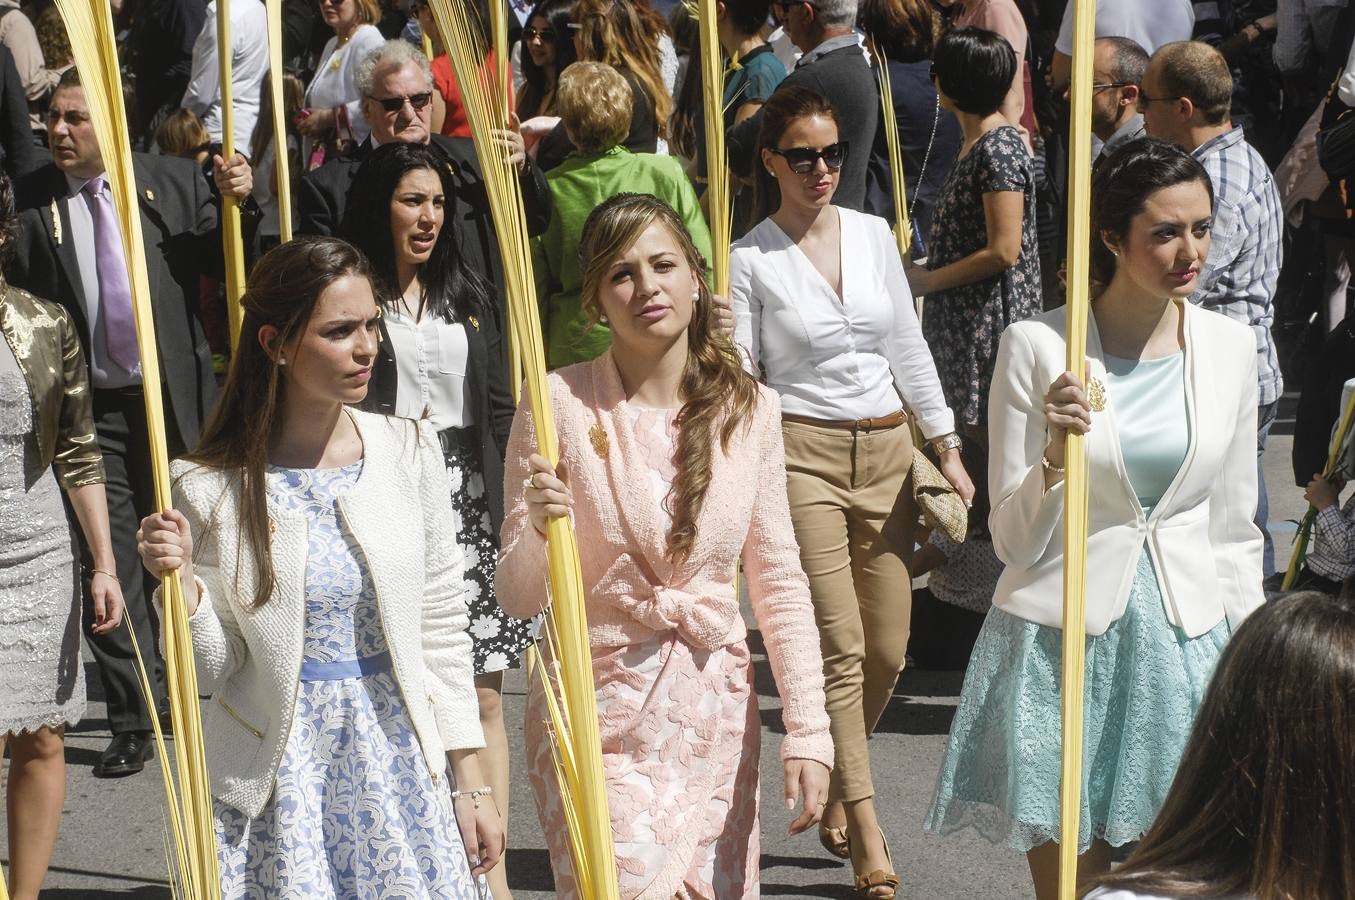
263, 155
182, 134
949, 611
1331, 557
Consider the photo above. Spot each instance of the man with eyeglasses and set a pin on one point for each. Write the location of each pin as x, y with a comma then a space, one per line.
1117, 71
396, 86
834, 66
70, 251
1186, 99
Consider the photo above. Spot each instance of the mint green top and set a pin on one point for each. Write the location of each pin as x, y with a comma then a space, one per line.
578, 185
1150, 413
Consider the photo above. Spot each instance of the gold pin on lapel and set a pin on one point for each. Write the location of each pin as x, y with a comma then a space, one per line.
1096, 395
150, 195
598, 438
474, 322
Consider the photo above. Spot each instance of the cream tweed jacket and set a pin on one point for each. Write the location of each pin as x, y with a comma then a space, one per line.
249, 658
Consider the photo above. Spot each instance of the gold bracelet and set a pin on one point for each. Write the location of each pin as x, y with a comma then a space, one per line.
106, 572
475, 795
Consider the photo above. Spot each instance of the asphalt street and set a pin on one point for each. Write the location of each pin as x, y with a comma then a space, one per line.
112, 841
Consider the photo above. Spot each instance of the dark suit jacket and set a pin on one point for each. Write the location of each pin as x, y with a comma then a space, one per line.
490, 409
843, 77
17, 152
179, 224
322, 198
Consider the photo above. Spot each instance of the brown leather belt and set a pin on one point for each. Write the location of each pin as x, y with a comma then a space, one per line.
893, 420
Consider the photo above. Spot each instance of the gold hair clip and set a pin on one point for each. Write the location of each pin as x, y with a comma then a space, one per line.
56, 223
598, 438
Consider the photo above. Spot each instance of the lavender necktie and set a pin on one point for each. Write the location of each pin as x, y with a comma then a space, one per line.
115, 292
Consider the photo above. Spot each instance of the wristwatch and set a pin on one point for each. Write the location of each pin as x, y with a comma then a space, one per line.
946, 442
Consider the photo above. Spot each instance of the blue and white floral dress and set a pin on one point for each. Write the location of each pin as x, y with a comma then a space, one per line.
354, 813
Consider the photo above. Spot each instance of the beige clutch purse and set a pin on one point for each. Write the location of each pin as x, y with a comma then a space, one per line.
939, 501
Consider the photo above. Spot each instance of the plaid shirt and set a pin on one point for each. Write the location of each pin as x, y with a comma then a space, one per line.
1333, 551
1245, 249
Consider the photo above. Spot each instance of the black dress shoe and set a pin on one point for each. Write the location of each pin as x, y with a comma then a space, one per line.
126, 755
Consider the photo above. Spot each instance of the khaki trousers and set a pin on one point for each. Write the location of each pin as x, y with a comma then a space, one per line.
852, 507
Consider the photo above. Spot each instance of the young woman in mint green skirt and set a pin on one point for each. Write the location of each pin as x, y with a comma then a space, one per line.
1168, 404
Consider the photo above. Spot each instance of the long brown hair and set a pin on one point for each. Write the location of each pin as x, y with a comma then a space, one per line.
1263, 804
717, 394
283, 290
785, 107
616, 33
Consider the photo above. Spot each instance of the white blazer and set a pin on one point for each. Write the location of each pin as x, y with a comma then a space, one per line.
1204, 547
249, 658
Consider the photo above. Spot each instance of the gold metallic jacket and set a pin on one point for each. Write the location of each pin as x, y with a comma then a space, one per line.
44, 342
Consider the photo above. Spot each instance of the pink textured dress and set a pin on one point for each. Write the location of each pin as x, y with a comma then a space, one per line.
677, 708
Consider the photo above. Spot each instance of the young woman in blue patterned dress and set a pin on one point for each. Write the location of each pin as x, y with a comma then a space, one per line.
326, 597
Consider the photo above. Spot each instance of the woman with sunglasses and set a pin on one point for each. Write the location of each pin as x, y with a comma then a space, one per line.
441, 359
332, 119
983, 264
823, 310
550, 50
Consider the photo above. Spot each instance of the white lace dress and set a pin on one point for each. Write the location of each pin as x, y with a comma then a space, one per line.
41, 682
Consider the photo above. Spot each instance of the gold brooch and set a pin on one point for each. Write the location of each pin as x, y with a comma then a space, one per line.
598, 438
474, 322
1096, 394
150, 195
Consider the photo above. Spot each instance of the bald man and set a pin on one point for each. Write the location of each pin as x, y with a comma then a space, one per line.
1186, 98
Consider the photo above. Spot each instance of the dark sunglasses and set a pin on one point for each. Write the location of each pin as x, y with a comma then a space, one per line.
529, 34
395, 104
802, 160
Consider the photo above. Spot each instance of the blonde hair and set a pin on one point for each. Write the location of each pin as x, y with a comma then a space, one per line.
596, 104
369, 11
182, 134
614, 32
717, 394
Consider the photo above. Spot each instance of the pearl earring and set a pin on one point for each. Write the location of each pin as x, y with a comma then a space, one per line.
282, 360
696, 295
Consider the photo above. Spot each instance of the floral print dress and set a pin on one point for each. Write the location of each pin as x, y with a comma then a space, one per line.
354, 813
963, 324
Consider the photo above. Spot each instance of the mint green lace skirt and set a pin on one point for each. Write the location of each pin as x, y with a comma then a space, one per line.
1144, 682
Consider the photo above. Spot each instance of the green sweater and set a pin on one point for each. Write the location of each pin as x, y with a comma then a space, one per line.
577, 186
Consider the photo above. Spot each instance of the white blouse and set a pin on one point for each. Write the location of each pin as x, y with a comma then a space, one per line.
335, 83
853, 358
430, 363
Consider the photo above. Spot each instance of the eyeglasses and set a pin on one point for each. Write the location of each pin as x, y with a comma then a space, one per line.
530, 34
1111, 84
802, 160
395, 104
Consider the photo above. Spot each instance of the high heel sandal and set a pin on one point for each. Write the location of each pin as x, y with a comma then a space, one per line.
835, 840
869, 883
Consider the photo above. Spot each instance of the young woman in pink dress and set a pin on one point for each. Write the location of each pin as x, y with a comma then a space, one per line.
673, 470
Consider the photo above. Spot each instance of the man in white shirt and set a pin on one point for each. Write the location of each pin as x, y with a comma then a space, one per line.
1148, 23
249, 65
